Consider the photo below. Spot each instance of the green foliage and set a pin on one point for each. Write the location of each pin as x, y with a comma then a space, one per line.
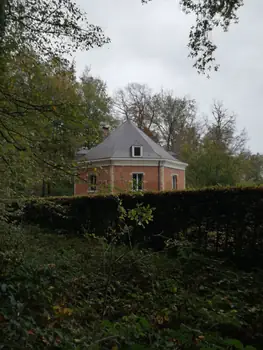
253, 168
141, 214
218, 157
70, 292
212, 166
44, 120
97, 102
44, 117
36, 117
51, 27
219, 219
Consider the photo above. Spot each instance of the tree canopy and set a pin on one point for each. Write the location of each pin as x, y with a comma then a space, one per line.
45, 117
49, 27
43, 108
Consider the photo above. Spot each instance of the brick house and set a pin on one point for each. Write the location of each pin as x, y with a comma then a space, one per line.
126, 160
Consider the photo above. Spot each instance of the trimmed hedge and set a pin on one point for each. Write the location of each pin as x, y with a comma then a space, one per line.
217, 218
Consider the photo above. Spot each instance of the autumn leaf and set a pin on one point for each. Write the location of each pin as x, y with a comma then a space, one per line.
57, 308
159, 319
62, 311
166, 318
67, 311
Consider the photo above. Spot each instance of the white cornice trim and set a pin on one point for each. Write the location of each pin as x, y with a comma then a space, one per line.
174, 164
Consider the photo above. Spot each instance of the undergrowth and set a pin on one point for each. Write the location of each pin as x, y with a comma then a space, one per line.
83, 293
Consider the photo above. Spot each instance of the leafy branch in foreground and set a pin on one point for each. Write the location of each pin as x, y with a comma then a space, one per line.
210, 14
51, 27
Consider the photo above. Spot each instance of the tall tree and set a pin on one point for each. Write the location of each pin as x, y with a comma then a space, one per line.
222, 130
48, 26
97, 104
39, 103
39, 136
136, 102
72, 122
253, 168
167, 119
212, 166
219, 158
94, 108
176, 121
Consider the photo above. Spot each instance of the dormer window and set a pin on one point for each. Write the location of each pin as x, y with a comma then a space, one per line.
136, 151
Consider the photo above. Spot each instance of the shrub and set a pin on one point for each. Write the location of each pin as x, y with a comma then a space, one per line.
67, 292
222, 219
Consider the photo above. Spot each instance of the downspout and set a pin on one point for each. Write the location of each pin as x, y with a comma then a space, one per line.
159, 175
112, 185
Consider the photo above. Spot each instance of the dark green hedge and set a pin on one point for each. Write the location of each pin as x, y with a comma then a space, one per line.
219, 218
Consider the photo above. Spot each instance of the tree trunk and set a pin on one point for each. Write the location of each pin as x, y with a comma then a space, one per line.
2, 18
48, 188
43, 188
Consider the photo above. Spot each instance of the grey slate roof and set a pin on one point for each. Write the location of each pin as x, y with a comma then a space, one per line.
118, 145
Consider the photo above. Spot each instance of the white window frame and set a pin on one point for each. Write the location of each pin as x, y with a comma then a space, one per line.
90, 184
137, 181
174, 176
133, 151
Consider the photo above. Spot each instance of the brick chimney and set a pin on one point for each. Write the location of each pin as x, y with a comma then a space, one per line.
105, 130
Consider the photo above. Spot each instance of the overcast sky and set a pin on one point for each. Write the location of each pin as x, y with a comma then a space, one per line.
149, 45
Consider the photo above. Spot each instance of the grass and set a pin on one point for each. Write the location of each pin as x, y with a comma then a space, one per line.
81, 293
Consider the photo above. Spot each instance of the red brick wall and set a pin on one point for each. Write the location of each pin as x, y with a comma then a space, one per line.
123, 177
168, 172
103, 180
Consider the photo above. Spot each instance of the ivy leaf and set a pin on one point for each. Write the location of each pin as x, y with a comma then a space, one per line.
144, 323
235, 343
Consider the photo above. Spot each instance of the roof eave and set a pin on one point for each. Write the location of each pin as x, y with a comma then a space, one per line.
142, 159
